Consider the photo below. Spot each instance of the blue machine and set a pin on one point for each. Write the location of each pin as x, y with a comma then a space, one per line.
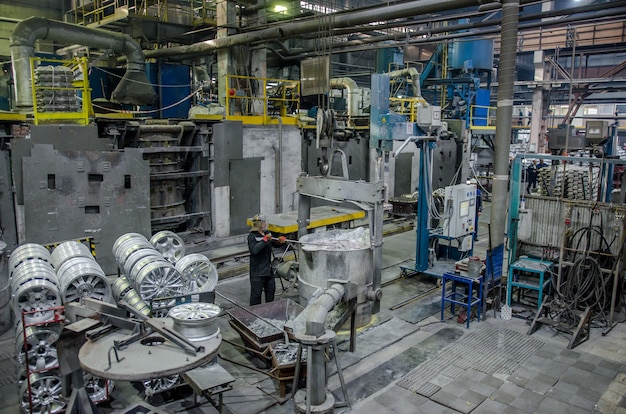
386, 127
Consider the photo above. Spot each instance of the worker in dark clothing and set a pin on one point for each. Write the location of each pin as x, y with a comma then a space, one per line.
260, 246
531, 176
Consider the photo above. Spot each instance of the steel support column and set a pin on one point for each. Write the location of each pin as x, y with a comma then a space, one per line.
506, 79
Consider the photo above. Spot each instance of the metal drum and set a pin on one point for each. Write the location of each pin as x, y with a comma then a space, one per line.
5, 291
338, 255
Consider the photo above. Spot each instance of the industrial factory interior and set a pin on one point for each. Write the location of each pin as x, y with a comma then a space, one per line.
312, 206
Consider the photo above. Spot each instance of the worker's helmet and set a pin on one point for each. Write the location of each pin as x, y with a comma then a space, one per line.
257, 221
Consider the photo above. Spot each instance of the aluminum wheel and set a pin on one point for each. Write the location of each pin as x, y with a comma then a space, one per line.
68, 250
98, 389
120, 287
157, 385
132, 261
37, 297
198, 273
45, 394
128, 248
28, 252
125, 237
159, 280
82, 277
196, 321
39, 349
169, 244
33, 271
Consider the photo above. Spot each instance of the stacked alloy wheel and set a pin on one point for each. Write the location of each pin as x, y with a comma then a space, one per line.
34, 284
80, 276
38, 363
198, 273
44, 396
41, 282
123, 291
146, 269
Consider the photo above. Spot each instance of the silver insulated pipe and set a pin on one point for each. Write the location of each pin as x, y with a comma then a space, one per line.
134, 88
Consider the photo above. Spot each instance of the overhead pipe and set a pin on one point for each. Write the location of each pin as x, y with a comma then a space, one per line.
415, 79
340, 20
593, 12
134, 88
351, 86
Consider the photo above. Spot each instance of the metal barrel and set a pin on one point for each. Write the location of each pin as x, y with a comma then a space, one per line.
338, 255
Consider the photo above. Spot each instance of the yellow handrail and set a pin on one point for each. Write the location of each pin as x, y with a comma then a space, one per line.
256, 100
66, 98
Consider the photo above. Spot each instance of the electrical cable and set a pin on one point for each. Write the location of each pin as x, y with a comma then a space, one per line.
151, 110
156, 85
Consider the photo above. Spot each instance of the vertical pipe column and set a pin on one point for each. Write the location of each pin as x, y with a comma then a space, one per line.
376, 224
506, 78
536, 121
225, 15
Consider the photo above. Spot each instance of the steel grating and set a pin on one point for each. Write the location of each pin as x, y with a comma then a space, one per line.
491, 351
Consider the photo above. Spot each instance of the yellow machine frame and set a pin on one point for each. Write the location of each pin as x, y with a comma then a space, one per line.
80, 85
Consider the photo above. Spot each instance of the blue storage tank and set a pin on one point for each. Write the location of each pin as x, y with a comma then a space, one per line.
478, 54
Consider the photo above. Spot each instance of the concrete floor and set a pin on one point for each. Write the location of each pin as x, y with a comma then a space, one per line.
409, 361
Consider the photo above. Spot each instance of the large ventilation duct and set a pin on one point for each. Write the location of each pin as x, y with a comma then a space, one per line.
134, 88
353, 95
415, 79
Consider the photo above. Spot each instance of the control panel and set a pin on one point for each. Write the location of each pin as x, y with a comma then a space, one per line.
459, 210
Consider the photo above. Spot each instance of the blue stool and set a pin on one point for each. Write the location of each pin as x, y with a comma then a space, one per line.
461, 298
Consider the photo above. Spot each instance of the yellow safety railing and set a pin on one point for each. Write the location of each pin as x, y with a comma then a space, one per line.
407, 106
256, 100
60, 91
482, 117
97, 12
